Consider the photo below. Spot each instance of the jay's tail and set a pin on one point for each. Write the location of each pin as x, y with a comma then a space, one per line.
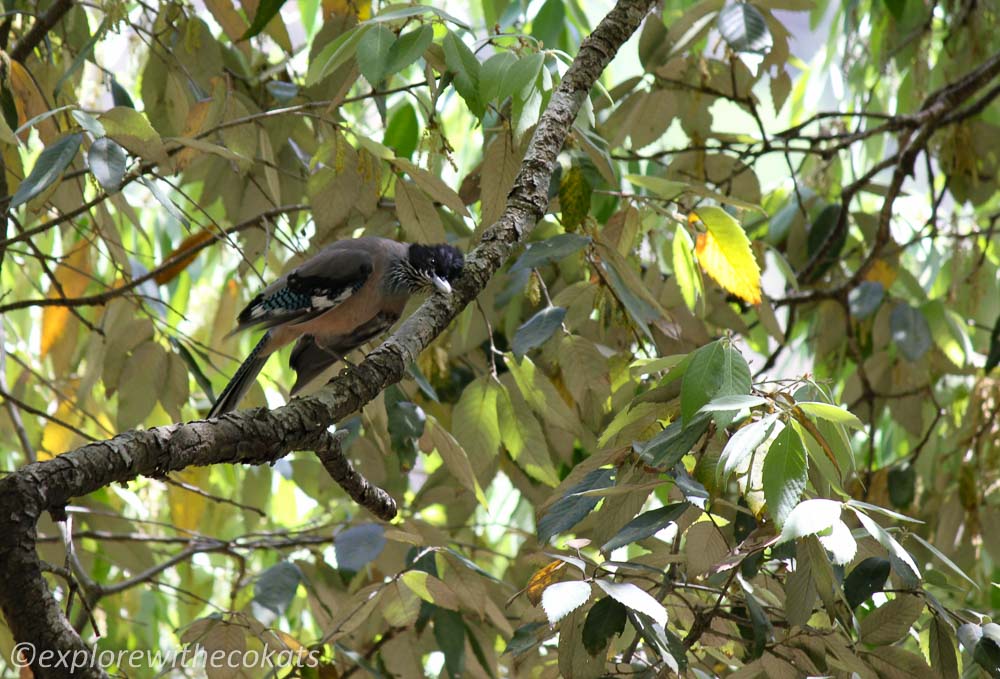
244, 378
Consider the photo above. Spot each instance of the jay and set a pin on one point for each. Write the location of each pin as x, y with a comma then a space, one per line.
348, 293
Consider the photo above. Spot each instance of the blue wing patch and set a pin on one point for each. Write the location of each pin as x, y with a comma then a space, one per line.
299, 298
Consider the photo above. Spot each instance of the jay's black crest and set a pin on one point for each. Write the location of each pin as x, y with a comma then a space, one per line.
350, 292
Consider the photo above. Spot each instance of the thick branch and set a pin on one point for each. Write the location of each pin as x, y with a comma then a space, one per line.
260, 436
42, 26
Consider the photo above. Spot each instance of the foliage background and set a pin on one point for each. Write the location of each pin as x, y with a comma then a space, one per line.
161, 166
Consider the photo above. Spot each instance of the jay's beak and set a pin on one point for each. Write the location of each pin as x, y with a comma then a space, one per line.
441, 284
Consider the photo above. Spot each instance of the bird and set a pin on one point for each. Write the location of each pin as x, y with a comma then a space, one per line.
348, 293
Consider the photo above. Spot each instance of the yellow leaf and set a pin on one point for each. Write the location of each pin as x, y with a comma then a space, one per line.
882, 272
132, 130
73, 274
232, 22
724, 253
362, 9
29, 102
574, 198
431, 590
542, 578
171, 272
57, 439
187, 507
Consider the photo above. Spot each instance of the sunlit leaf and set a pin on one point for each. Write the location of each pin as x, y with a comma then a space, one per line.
562, 598
784, 474
635, 598
725, 255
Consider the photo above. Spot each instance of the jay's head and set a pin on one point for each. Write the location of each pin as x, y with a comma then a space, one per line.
435, 265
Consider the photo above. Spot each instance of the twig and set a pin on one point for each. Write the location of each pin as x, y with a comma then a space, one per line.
340, 469
12, 410
105, 297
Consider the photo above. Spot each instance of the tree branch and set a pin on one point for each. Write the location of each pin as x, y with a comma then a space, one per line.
41, 26
259, 436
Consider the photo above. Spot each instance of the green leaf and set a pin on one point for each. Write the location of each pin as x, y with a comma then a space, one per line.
629, 290
549, 23
826, 237
760, 624
942, 648
891, 621
358, 546
133, 131
671, 649
562, 598
410, 47
403, 12
667, 448
987, 655
604, 620
405, 426
449, 633
810, 517
48, 168
164, 200
550, 250
107, 162
266, 10
119, 95
830, 413
537, 330
716, 369
868, 577
495, 79
732, 403
741, 446
671, 190
571, 508
910, 331
373, 53
461, 60
744, 28
685, 271
522, 436
645, 525
636, 599
901, 561
865, 299
88, 122
141, 377
902, 485
896, 8
523, 74
455, 457
940, 556
335, 54
82, 55
525, 638
276, 587
784, 474
402, 134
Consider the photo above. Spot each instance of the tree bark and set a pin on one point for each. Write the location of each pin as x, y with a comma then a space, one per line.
260, 436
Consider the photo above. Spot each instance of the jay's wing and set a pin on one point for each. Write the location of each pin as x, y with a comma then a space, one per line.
318, 285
